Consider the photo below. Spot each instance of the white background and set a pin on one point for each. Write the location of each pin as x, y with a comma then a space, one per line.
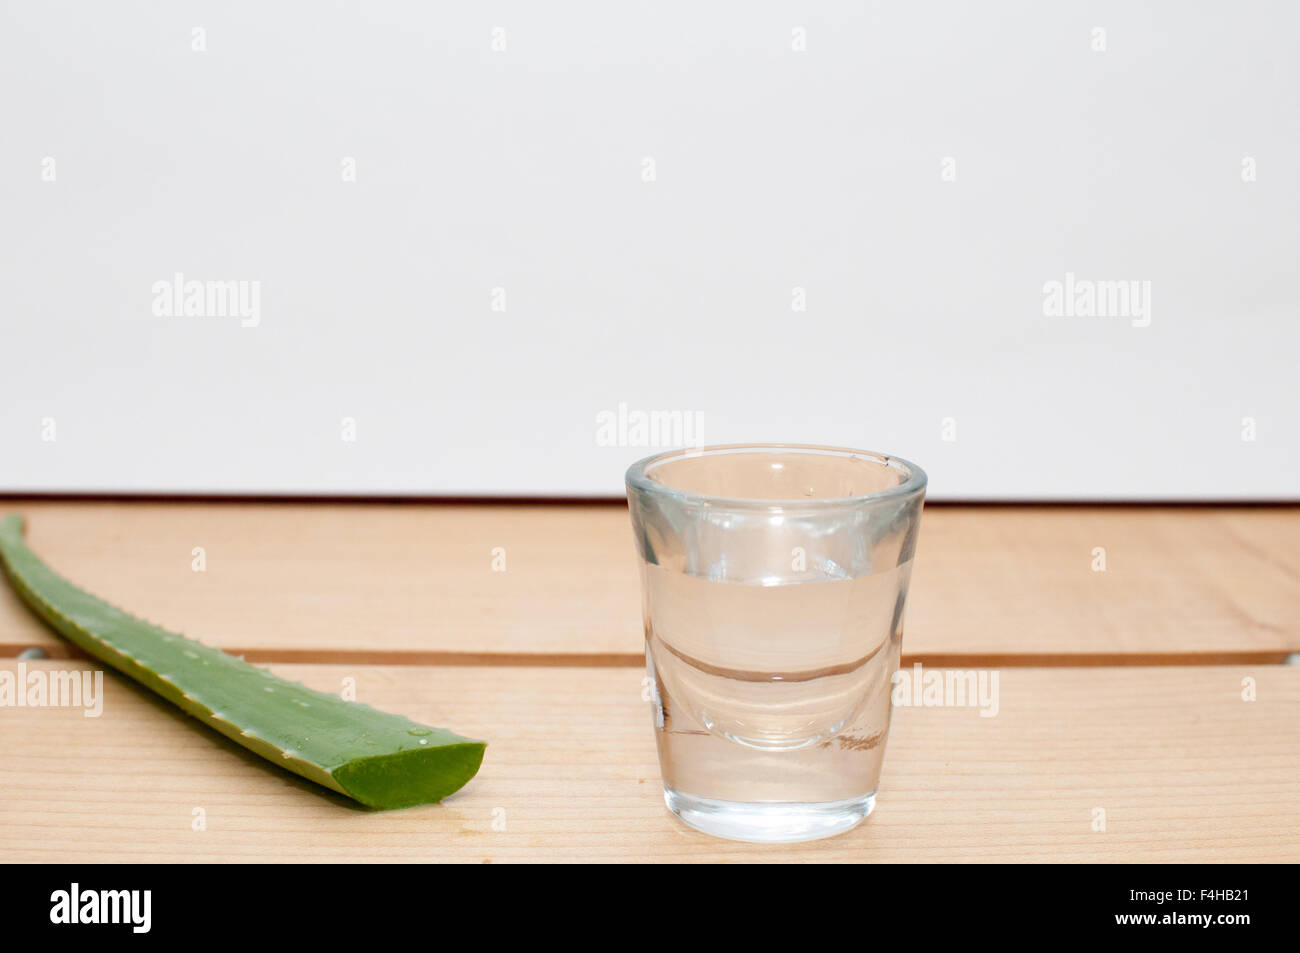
523, 169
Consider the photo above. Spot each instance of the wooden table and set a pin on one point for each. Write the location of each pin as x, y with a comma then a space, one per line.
1120, 691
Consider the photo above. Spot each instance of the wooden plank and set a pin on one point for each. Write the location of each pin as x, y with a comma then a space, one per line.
410, 579
1178, 581
1184, 768
414, 582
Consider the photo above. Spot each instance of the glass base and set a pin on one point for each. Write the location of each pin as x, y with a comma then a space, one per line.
779, 822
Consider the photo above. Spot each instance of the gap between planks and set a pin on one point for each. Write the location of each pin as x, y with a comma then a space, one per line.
637, 660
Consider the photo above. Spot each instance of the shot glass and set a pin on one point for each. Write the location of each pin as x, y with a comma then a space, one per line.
773, 583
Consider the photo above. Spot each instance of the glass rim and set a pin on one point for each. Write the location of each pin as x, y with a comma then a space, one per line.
914, 482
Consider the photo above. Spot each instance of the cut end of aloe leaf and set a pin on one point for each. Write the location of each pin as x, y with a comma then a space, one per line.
378, 759
410, 777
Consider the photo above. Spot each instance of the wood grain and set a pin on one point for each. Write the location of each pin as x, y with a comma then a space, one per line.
413, 582
1183, 767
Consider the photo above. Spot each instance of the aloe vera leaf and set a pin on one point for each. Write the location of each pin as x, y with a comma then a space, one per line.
378, 759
